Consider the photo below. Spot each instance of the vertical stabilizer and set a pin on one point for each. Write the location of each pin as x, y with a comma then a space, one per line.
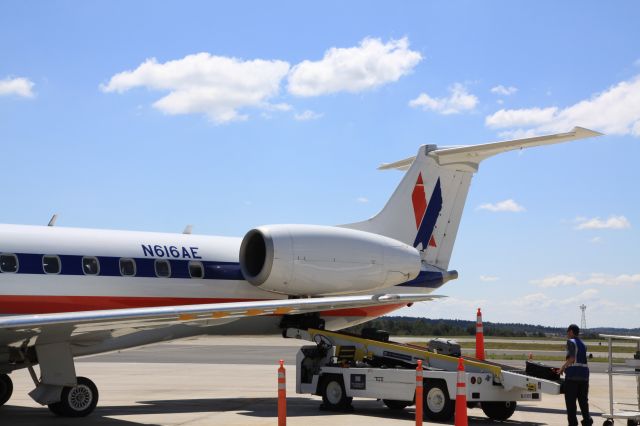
426, 207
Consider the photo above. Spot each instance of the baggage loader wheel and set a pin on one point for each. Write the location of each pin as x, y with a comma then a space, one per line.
437, 404
498, 410
334, 396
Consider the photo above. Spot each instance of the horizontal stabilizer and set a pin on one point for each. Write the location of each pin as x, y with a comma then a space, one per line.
472, 155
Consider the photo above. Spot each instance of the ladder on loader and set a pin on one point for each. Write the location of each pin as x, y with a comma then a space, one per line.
357, 366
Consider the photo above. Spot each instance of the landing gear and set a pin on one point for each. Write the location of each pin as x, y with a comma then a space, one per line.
77, 401
6, 388
499, 410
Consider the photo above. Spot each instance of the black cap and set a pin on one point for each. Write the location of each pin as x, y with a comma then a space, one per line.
574, 328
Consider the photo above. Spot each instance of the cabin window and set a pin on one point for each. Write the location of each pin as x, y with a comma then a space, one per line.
8, 263
90, 265
127, 267
195, 269
163, 268
51, 264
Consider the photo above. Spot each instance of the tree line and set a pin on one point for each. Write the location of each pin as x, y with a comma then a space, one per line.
411, 326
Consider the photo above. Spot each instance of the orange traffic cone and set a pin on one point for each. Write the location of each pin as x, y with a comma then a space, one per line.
461, 396
282, 396
479, 337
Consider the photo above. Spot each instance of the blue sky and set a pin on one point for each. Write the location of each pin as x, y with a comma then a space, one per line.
150, 116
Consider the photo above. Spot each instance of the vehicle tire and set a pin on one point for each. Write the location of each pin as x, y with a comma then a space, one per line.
607, 423
77, 401
334, 395
437, 404
498, 410
6, 388
394, 404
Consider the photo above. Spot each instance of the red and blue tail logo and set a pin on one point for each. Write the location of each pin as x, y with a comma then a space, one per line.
426, 213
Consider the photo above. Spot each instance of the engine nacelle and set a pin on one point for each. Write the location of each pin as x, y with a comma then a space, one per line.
312, 260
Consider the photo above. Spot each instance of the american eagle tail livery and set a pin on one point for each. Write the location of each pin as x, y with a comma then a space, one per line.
68, 292
425, 209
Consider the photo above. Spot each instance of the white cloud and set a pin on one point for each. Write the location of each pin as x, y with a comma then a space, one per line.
459, 100
595, 278
520, 117
217, 86
614, 111
354, 69
596, 240
19, 86
307, 115
504, 91
362, 199
613, 222
488, 278
502, 206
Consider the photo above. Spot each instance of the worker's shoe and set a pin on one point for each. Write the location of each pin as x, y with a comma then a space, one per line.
587, 422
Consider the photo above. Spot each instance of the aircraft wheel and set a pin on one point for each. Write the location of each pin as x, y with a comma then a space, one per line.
334, 395
394, 404
607, 423
77, 401
6, 388
498, 410
437, 404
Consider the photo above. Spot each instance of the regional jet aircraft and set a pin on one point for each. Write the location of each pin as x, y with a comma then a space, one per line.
66, 293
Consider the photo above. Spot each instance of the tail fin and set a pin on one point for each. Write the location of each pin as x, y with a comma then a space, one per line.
426, 207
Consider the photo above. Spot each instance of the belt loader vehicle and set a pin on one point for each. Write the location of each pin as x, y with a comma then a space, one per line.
341, 366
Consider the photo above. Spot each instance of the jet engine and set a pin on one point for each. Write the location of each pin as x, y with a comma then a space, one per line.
312, 260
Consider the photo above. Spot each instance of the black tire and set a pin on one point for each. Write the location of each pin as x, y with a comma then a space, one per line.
334, 395
437, 404
607, 423
394, 404
6, 388
498, 410
77, 401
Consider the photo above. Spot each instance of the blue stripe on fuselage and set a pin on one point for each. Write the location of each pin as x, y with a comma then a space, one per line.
31, 263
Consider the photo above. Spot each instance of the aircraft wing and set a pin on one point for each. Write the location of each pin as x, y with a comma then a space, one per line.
90, 325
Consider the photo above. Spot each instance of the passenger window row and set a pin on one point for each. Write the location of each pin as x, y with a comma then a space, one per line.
51, 264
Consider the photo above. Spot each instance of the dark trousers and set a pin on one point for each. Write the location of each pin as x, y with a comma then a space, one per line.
577, 390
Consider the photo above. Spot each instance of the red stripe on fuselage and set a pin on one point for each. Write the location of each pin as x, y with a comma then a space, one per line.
12, 305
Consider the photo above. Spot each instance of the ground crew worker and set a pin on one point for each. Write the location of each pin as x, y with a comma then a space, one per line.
576, 384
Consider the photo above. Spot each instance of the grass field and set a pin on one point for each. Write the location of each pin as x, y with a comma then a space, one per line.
591, 346
526, 348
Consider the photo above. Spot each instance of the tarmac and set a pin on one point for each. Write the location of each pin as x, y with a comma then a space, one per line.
232, 381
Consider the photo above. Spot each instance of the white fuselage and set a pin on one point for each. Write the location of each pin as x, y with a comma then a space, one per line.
91, 263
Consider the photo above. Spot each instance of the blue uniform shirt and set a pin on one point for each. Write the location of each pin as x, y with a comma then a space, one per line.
579, 370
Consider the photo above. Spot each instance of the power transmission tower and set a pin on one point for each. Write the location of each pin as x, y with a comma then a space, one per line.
583, 320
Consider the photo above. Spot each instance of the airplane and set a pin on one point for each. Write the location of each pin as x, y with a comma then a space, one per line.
69, 292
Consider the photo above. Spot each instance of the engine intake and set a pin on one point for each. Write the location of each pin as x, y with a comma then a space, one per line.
311, 260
